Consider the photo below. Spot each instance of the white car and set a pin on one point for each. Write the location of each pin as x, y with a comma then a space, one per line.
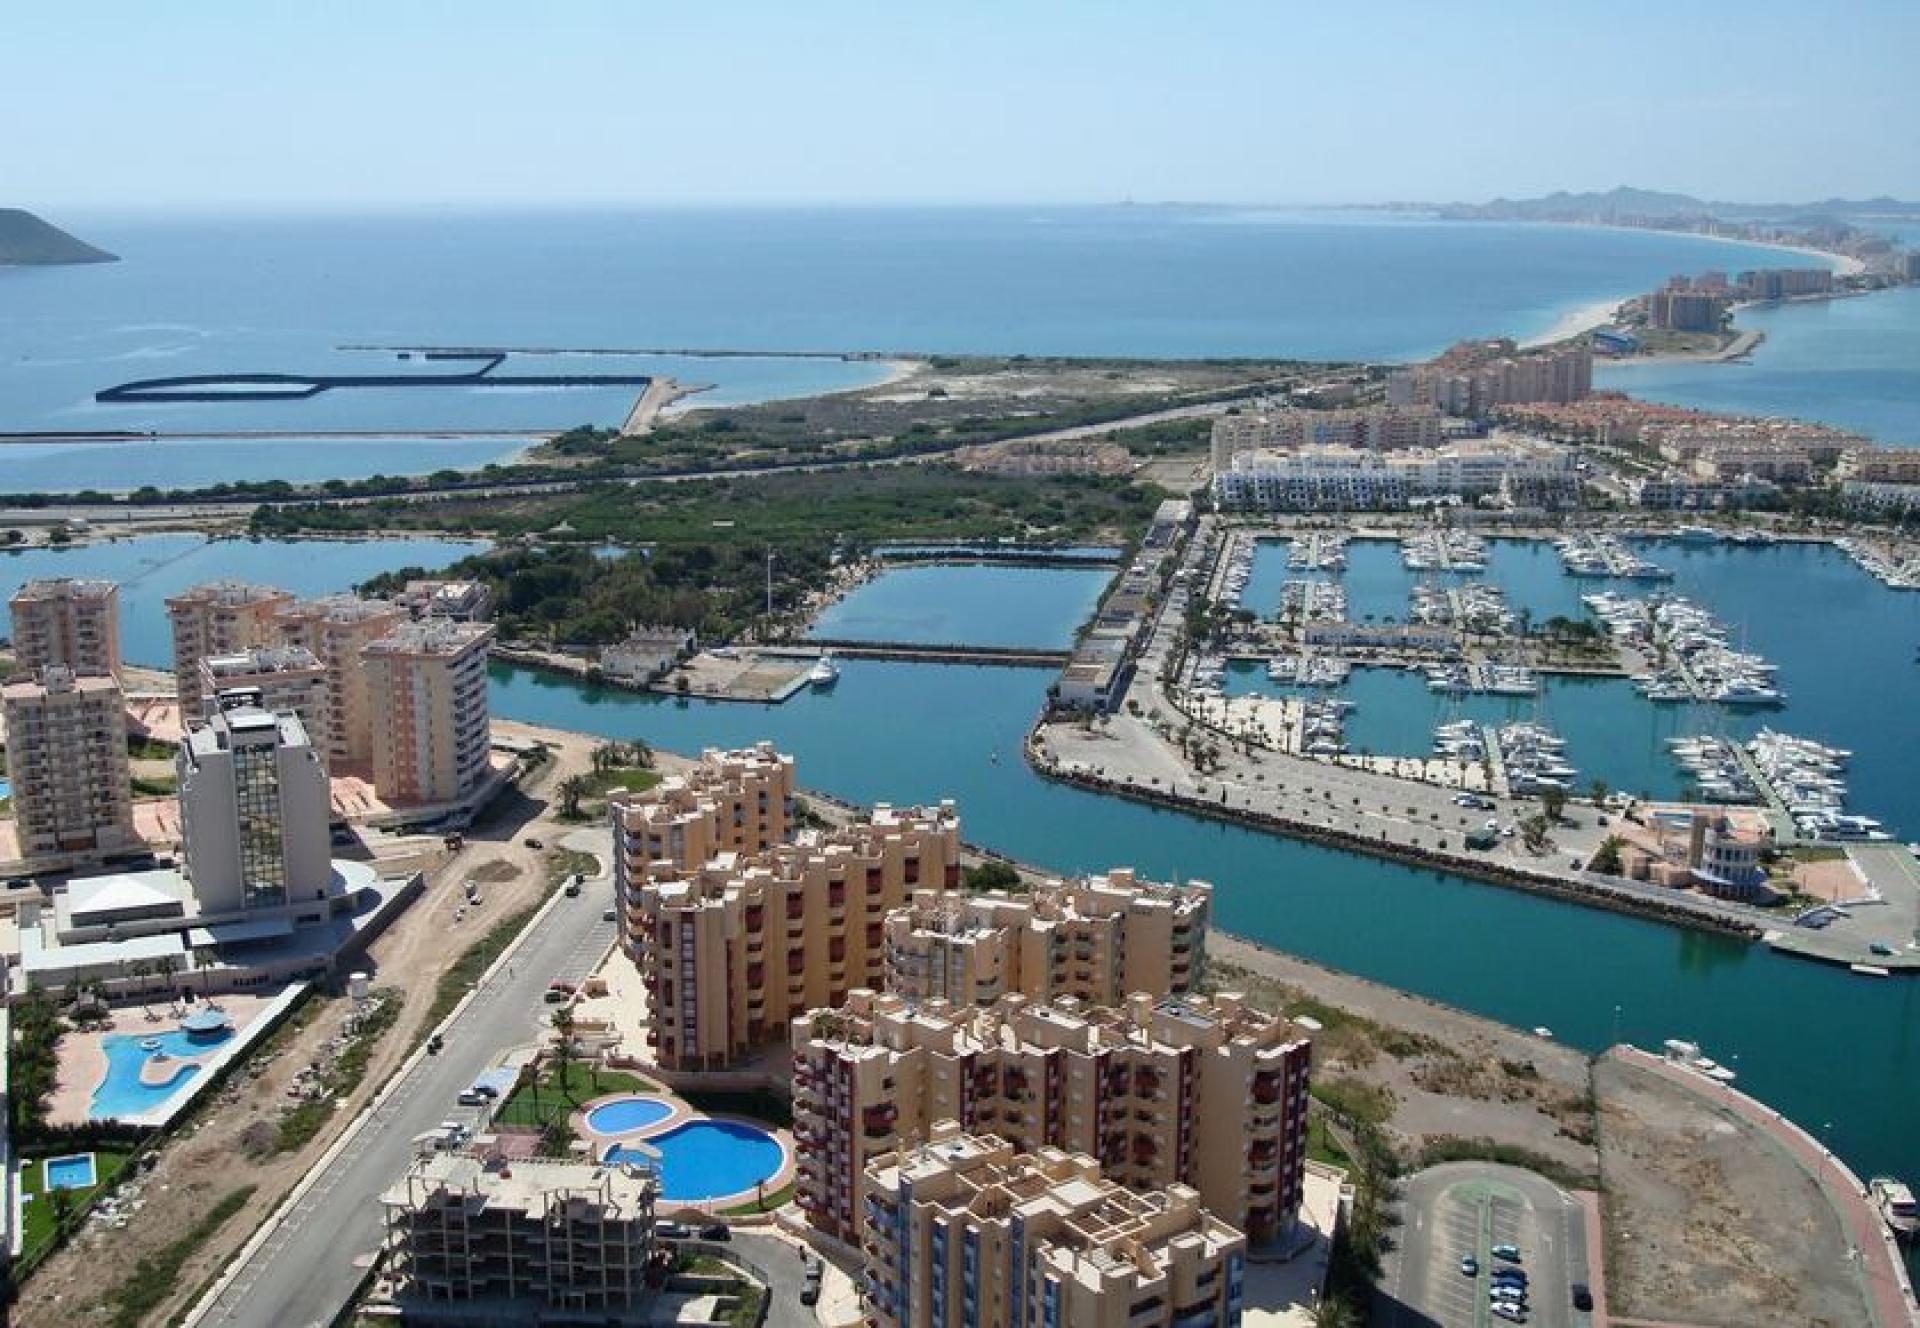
1511, 1313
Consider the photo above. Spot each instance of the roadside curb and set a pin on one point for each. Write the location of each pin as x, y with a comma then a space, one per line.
199, 1310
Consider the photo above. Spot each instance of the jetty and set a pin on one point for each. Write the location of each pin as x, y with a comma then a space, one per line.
244, 387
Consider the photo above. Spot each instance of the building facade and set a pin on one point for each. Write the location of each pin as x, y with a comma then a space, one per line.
963, 1231
1099, 940
282, 679
431, 729
1162, 1091
336, 629
731, 951
71, 623
1368, 429
566, 1237
1475, 377
1346, 479
67, 763
254, 812
220, 618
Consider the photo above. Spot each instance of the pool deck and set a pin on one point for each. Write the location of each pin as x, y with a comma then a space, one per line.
83, 1057
682, 1114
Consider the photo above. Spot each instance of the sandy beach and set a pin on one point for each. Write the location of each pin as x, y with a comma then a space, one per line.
1575, 321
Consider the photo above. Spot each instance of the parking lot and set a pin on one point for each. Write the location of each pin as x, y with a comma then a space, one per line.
1468, 1209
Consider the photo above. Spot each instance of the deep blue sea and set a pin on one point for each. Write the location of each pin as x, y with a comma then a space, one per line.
290, 294
1854, 363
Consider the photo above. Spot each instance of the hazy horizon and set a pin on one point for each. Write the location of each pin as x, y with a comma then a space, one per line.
124, 107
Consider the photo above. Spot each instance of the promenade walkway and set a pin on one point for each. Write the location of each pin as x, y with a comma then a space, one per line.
1883, 1275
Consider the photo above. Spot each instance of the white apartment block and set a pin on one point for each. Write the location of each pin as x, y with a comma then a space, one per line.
1369, 429
254, 813
1346, 479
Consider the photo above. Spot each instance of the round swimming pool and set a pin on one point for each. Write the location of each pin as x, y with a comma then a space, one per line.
708, 1159
627, 1114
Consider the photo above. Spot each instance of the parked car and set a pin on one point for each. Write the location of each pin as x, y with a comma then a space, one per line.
1511, 1313
810, 1291
672, 1231
716, 1231
1469, 1265
573, 886
531, 842
1582, 1297
609, 915
434, 1044
1511, 1253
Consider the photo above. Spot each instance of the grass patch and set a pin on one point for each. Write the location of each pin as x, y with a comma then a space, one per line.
1455, 1149
473, 961
146, 749
774, 1200
565, 862
1322, 1146
552, 1098
40, 1219
299, 1126
148, 787
1344, 1037
1354, 1099
153, 1277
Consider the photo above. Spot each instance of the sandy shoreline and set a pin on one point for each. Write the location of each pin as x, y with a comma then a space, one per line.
1585, 318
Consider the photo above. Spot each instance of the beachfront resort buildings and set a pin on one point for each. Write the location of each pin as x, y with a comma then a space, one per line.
1520, 473
1369, 429
335, 629
219, 618
67, 764
431, 729
1098, 939
1161, 1090
1474, 377
964, 1230
254, 811
469, 1236
71, 622
730, 951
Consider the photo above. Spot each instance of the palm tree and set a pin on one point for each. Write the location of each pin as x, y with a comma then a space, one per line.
640, 752
1335, 1314
564, 1047
572, 790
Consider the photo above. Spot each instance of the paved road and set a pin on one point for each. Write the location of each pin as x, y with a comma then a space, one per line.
1468, 1207
306, 1270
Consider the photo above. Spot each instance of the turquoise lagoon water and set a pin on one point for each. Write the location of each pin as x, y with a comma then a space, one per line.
1853, 363
121, 1094
151, 567
628, 1114
1815, 1041
182, 463
709, 1159
971, 604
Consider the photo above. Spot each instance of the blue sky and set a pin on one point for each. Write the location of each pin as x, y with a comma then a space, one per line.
196, 103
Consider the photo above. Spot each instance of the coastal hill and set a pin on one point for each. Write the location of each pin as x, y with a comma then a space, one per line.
27, 241
1626, 202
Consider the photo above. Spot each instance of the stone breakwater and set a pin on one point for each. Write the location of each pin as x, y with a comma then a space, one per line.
1703, 915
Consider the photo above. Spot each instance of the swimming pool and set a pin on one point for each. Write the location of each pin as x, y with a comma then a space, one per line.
706, 1159
627, 1114
121, 1094
75, 1171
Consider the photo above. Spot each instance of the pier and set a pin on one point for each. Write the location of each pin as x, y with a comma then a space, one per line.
245, 387
1018, 657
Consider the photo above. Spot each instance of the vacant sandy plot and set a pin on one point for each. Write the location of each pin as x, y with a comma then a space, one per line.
1707, 1220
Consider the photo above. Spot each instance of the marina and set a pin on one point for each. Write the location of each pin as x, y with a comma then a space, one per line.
1589, 555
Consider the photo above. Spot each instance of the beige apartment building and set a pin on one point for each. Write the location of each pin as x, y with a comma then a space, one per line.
431, 729
67, 761
68, 622
729, 802
220, 618
282, 679
569, 1237
1163, 1091
337, 628
732, 950
1099, 940
964, 1231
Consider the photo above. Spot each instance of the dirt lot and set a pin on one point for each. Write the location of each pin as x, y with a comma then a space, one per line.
1435, 1072
227, 1145
1707, 1221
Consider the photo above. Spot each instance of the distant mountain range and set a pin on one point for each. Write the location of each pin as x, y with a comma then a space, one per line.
1653, 204
27, 241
